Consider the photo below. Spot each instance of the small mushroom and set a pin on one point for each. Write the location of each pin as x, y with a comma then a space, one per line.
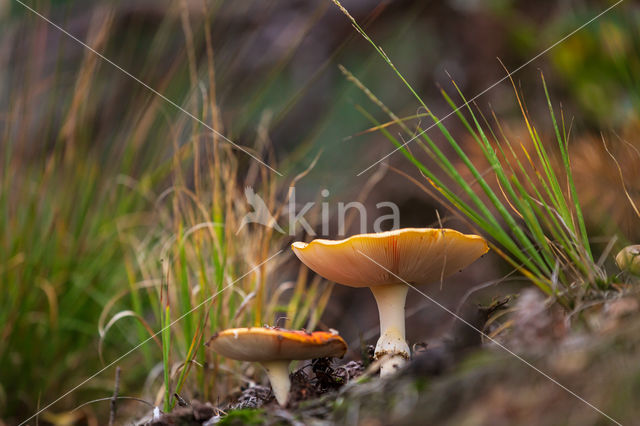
413, 255
628, 259
275, 348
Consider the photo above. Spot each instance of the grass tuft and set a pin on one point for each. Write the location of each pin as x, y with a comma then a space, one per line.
531, 215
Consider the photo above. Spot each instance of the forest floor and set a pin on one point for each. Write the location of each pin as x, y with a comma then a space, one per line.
536, 371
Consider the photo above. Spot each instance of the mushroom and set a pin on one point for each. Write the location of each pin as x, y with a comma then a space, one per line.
628, 259
275, 348
412, 255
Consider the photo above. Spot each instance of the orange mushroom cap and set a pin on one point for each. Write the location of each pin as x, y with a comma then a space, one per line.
261, 344
417, 255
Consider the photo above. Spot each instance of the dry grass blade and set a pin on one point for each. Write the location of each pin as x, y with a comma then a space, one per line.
622, 181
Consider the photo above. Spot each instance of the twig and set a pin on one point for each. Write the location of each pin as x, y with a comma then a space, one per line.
181, 401
114, 398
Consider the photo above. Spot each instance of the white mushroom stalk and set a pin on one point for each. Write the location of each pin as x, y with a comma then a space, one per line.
392, 349
278, 373
385, 262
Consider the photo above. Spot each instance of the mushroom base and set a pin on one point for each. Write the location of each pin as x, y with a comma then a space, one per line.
392, 351
390, 363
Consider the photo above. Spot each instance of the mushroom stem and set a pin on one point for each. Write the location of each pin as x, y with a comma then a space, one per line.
392, 348
278, 373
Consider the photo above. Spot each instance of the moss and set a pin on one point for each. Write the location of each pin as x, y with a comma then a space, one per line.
421, 384
246, 416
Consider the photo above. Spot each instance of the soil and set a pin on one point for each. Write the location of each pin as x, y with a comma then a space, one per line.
586, 374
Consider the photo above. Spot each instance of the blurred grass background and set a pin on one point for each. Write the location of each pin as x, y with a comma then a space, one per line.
110, 197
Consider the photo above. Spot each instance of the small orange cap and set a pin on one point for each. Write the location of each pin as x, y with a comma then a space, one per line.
263, 344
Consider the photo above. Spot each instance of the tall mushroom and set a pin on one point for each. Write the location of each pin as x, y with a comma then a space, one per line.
414, 255
275, 348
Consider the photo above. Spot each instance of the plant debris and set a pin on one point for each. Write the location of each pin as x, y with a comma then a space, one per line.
252, 397
195, 414
313, 380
